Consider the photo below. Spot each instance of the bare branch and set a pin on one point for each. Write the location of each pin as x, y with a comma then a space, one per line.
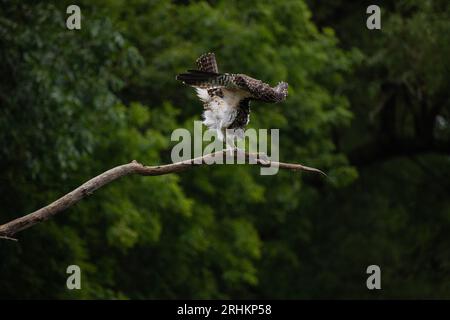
8, 238
10, 228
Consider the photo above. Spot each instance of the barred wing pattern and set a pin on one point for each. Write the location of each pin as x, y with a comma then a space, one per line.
227, 96
257, 89
261, 91
207, 62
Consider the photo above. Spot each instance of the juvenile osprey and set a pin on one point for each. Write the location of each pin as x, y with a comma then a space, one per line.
226, 96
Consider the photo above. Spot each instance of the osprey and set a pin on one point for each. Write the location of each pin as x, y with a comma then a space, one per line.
226, 97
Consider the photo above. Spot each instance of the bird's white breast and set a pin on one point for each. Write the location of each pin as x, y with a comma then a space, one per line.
220, 112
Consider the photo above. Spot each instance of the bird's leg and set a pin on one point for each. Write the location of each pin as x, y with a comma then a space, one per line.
239, 134
230, 147
220, 135
229, 142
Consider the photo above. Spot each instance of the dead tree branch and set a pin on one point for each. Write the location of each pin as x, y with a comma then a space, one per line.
9, 229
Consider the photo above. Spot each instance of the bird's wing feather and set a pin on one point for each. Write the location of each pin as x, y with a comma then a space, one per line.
208, 77
260, 90
204, 79
207, 62
242, 114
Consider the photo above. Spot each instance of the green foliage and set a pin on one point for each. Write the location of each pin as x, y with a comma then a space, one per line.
76, 103
395, 213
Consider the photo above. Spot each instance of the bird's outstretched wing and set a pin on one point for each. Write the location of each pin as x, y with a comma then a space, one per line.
260, 90
205, 80
256, 88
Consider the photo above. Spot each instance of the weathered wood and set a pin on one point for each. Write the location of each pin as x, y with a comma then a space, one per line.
9, 229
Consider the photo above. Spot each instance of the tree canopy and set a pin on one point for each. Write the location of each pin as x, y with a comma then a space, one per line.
369, 107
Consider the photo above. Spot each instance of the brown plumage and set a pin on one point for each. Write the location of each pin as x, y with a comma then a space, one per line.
227, 96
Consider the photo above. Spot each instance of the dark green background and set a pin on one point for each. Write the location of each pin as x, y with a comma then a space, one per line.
369, 107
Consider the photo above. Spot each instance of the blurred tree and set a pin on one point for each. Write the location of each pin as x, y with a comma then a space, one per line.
272, 41
396, 215
63, 123
75, 103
